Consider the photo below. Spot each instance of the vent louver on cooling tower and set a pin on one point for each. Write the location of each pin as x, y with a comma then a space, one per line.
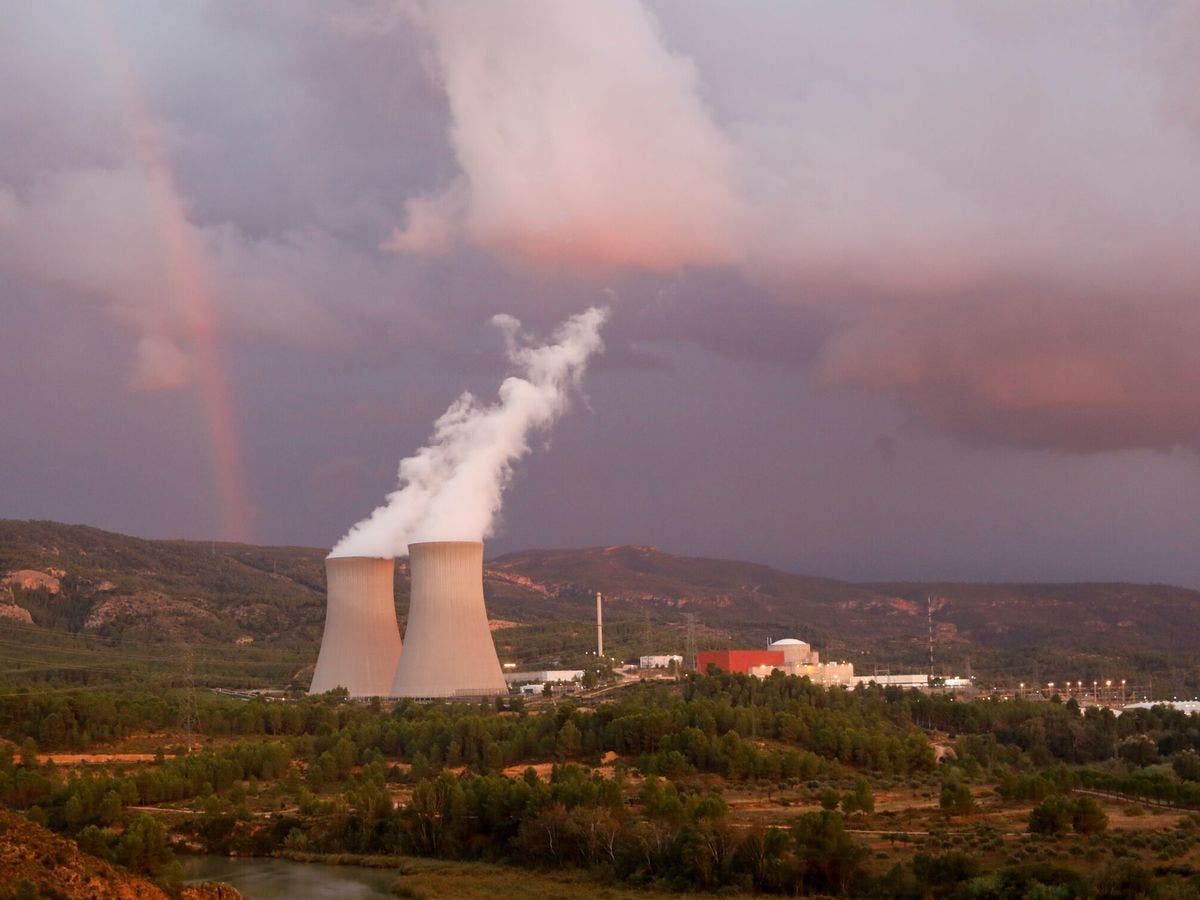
361, 643
448, 648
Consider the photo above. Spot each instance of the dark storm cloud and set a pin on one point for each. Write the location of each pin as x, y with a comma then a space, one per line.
984, 198
843, 222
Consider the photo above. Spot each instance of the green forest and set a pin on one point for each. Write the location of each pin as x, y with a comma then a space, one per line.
711, 783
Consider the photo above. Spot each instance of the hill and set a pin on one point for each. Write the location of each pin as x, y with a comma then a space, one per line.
257, 612
35, 862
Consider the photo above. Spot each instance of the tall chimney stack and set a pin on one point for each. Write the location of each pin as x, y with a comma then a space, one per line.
599, 625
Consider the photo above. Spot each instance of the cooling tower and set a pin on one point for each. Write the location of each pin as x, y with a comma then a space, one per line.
449, 650
361, 644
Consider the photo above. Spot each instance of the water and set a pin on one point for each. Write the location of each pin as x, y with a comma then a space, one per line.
265, 879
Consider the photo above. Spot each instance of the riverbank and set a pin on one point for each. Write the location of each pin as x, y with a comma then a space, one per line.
321, 876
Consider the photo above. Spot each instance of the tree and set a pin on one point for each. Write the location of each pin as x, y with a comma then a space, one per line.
860, 799
828, 798
431, 813
1088, 817
945, 870
75, 812
1052, 816
569, 740
1122, 878
832, 859
29, 753
143, 847
1139, 750
956, 799
92, 840
1187, 765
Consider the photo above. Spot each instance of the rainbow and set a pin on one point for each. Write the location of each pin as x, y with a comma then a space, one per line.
191, 288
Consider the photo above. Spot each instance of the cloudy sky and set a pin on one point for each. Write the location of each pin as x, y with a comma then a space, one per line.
897, 290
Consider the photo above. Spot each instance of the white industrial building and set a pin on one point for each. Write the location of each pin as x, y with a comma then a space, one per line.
918, 680
660, 661
552, 676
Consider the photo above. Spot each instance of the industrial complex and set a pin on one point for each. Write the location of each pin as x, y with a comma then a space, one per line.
790, 656
794, 657
448, 651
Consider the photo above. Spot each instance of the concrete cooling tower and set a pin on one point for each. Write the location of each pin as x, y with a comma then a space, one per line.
449, 650
361, 643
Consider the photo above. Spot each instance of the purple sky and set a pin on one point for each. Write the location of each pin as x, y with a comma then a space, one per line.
897, 291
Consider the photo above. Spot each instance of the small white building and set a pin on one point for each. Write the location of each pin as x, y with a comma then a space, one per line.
660, 661
1191, 707
919, 680
546, 675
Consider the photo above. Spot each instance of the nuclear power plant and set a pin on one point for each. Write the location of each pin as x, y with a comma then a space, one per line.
361, 643
448, 648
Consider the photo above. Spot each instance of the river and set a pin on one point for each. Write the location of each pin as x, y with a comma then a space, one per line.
267, 879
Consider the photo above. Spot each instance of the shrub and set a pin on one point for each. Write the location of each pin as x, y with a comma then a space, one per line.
1088, 817
1052, 816
1121, 879
956, 799
945, 869
860, 799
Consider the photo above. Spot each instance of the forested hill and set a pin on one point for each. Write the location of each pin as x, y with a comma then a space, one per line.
84, 581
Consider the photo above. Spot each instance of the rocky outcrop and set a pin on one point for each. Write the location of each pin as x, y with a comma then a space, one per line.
151, 612
36, 862
32, 580
16, 613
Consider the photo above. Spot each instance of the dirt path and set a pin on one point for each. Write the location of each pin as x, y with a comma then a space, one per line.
94, 759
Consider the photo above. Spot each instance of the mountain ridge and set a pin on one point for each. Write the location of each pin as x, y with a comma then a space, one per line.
118, 588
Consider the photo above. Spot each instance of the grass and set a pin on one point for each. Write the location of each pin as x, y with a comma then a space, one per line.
420, 878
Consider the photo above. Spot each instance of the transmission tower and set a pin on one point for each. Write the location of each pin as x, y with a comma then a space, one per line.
689, 650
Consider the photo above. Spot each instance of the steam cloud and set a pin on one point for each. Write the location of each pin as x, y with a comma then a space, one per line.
987, 205
452, 488
551, 172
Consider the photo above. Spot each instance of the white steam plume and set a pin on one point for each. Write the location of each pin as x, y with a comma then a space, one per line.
452, 488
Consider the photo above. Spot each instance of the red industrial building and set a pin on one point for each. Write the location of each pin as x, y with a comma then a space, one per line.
738, 660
